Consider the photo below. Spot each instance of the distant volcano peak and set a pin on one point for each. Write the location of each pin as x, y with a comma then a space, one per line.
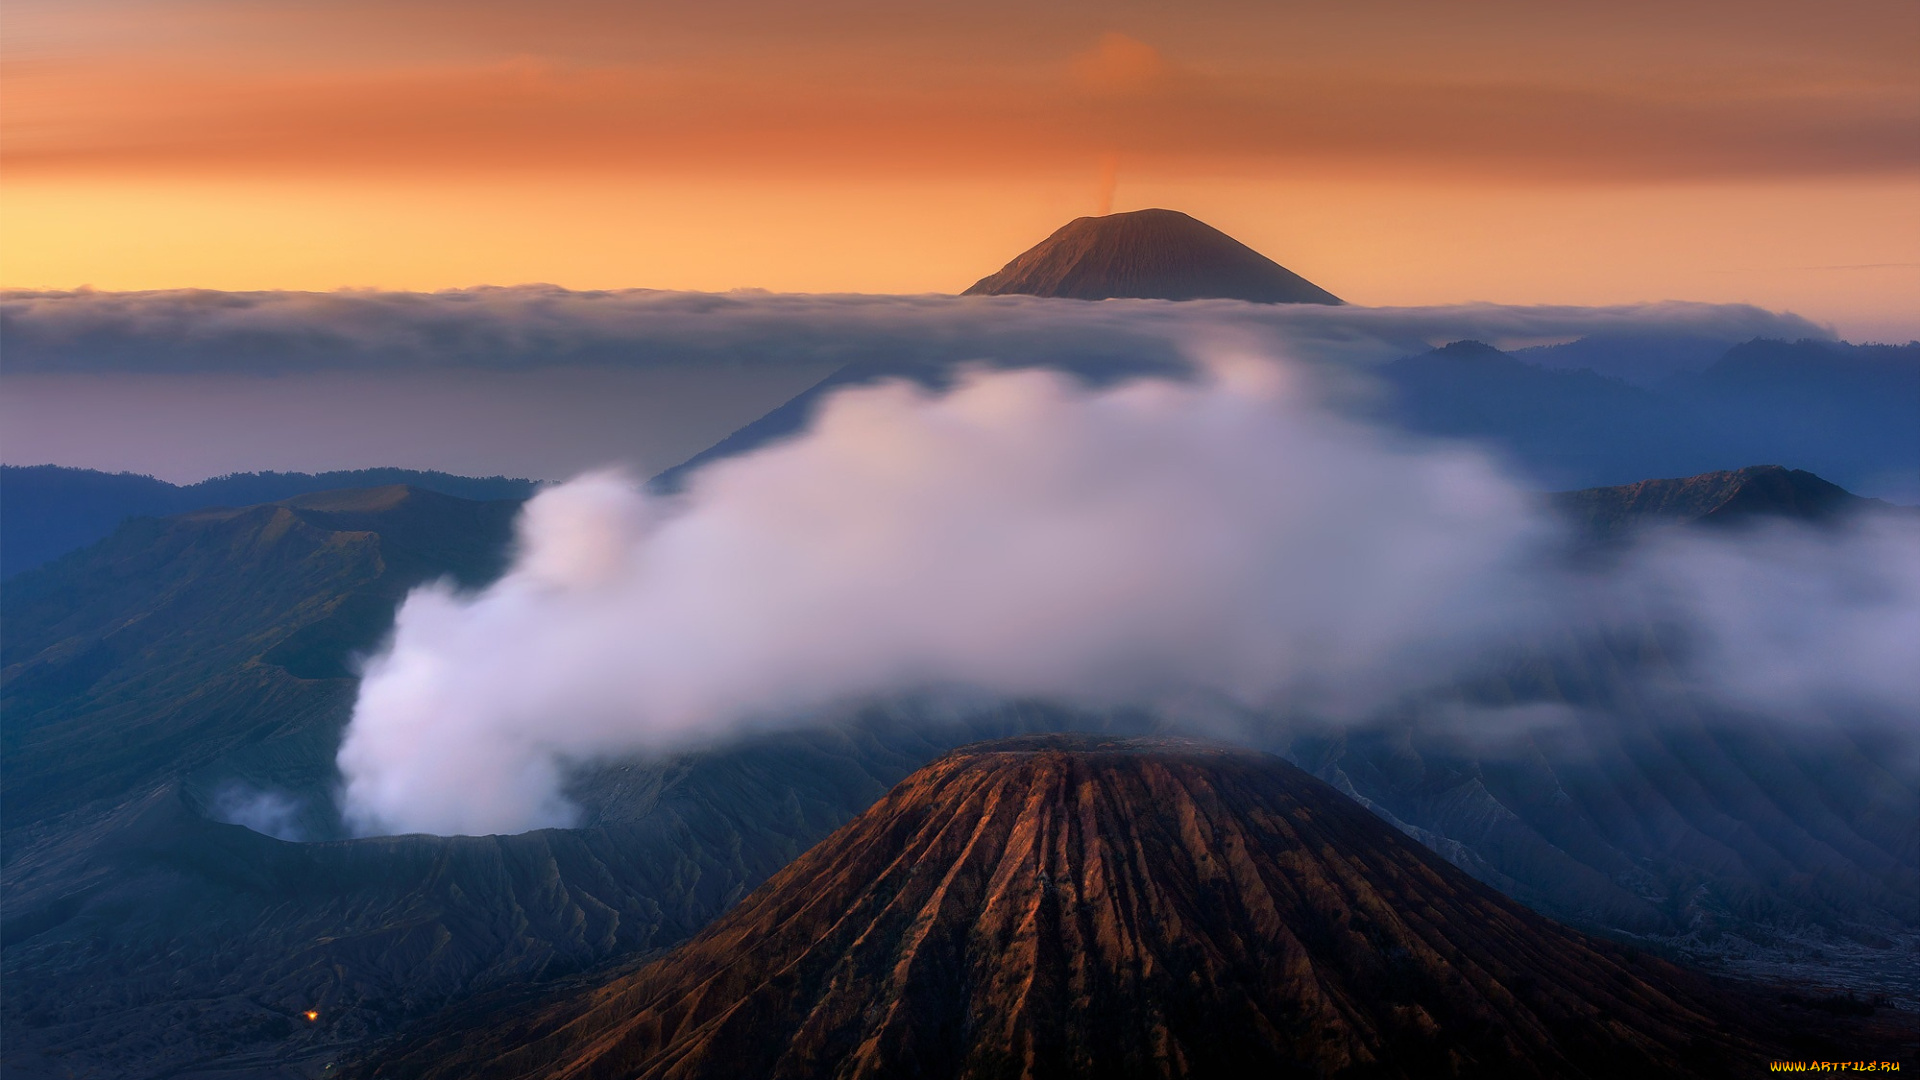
1149, 254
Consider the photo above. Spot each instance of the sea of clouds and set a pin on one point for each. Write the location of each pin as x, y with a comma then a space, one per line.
1028, 534
534, 326
545, 383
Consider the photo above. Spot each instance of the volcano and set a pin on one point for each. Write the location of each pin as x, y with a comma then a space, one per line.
1149, 254
1069, 906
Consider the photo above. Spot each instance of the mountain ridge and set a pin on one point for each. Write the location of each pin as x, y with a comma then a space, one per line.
1723, 498
1841, 411
53, 509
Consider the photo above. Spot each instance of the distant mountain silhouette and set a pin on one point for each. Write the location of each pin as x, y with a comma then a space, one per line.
1068, 906
1716, 498
1843, 411
1652, 360
1569, 427
1149, 254
50, 510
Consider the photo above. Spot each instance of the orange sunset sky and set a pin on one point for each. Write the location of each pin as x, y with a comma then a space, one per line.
1394, 151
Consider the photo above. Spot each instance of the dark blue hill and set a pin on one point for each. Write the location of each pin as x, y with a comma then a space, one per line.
1847, 412
1844, 411
49, 510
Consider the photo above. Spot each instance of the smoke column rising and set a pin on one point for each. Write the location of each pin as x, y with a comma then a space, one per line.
1021, 535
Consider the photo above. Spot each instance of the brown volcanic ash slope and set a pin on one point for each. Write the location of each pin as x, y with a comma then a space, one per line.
1149, 254
1062, 906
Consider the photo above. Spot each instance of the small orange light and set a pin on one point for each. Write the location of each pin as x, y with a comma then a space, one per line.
313, 1014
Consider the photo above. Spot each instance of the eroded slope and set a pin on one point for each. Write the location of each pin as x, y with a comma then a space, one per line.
1065, 906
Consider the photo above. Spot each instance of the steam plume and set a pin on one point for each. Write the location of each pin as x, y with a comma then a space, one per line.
1023, 535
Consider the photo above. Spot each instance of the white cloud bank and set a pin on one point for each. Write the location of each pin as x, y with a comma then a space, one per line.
541, 327
1025, 535
544, 382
